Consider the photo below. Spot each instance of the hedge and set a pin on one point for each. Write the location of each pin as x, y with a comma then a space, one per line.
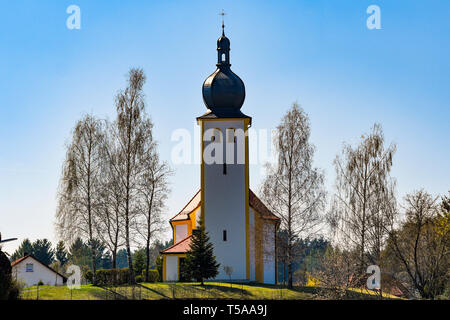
119, 276
153, 275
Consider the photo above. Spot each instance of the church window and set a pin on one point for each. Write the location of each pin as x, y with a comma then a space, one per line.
216, 135
224, 235
231, 135
223, 57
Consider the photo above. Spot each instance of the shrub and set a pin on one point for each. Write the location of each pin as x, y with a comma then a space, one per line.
88, 275
139, 279
106, 277
153, 275
40, 283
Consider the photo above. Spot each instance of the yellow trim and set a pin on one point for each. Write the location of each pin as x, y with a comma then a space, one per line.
179, 255
178, 264
193, 218
180, 222
247, 214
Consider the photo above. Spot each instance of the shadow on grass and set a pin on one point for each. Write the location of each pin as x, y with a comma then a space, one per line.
207, 291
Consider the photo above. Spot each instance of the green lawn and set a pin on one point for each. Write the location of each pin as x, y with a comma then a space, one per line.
211, 290
220, 290
86, 292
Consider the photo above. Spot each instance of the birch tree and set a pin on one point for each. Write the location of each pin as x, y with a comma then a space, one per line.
293, 188
132, 130
110, 220
153, 189
79, 197
364, 192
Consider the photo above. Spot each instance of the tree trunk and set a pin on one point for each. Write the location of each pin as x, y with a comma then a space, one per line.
147, 262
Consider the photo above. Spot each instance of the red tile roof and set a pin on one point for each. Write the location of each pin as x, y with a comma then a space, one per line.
19, 260
180, 247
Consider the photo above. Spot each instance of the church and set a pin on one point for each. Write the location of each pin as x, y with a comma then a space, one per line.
241, 228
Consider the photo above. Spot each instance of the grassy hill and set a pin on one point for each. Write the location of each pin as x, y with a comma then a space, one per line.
211, 290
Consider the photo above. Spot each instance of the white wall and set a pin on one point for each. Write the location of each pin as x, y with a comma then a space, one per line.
181, 232
225, 207
40, 273
171, 268
269, 253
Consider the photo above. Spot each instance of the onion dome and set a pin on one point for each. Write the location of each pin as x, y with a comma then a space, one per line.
223, 91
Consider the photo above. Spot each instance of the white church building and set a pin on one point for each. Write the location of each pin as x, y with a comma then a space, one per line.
241, 228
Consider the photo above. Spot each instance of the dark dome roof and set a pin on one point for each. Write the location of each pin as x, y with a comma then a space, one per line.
223, 91
223, 43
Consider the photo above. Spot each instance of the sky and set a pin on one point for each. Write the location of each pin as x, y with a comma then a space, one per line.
319, 53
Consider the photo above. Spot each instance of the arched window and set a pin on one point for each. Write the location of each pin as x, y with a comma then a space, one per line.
216, 137
224, 57
231, 135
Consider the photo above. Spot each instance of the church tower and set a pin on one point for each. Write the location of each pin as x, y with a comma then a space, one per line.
241, 228
224, 166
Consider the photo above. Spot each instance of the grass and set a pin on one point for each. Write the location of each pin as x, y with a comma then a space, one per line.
211, 290
220, 290
86, 292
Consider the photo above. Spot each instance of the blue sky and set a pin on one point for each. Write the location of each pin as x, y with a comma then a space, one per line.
318, 53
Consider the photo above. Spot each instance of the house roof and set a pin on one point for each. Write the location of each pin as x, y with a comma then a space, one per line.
18, 261
254, 202
179, 247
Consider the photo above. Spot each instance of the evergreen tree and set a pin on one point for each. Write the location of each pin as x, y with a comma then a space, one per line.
96, 249
122, 259
200, 263
61, 253
42, 250
106, 260
79, 253
26, 247
159, 266
139, 258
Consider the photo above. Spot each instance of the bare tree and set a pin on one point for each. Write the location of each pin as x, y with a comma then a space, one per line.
338, 273
79, 197
293, 189
110, 225
153, 189
420, 246
364, 190
132, 130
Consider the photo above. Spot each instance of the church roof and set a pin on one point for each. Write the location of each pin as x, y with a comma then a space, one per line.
190, 207
254, 202
180, 247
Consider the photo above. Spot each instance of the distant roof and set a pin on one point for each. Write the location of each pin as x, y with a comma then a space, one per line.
254, 202
180, 247
193, 204
31, 256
